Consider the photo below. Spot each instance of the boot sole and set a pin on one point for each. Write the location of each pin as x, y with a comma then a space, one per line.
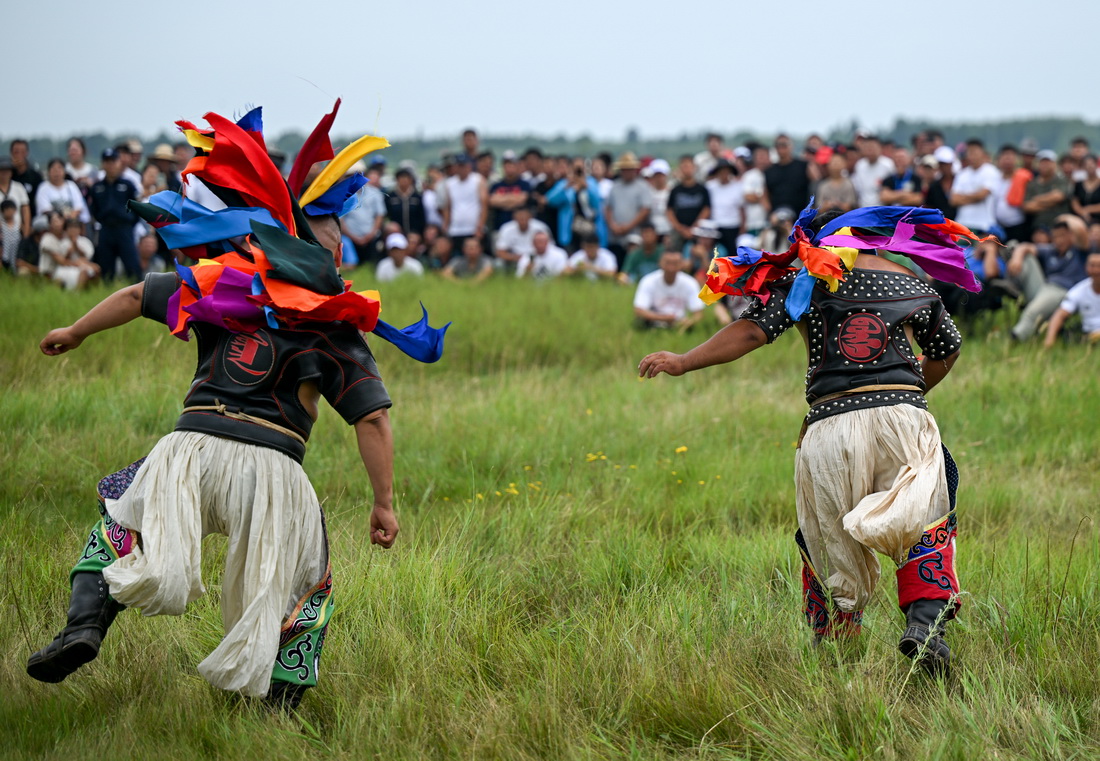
54, 668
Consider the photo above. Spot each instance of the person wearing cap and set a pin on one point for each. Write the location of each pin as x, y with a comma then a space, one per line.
668, 297
545, 261
398, 262
128, 171
404, 205
1047, 194
727, 202
870, 170
164, 159
656, 173
108, 203
23, 169
939, 192
592, 260
629, 204
13, 191
467, 204
688, 204
508, 193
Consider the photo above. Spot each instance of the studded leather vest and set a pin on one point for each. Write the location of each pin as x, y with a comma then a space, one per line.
860, 336
246, 384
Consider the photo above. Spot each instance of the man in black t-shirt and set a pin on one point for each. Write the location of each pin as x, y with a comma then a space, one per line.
688, 203
788, 179
508, 193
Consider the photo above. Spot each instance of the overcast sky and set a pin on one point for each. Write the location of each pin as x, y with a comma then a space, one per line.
432, 67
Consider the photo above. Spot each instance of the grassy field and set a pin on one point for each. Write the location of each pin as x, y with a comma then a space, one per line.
567, 585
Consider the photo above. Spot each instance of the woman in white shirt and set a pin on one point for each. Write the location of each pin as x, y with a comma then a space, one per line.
60, 195
727, 201
79, 170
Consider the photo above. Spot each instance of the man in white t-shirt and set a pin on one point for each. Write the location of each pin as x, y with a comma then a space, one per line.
668, 297
545, 261
869, 172
592, 261
974, 190
516, 238
398, 262
467, 204
754, 187
1084, 298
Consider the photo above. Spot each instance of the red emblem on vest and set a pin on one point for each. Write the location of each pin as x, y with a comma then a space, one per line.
249, 357
863, 337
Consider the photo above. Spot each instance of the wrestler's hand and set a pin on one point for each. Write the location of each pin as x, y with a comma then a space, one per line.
383, 526
59, 341
661, 362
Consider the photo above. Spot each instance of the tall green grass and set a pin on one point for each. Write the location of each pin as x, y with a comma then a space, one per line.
566, 585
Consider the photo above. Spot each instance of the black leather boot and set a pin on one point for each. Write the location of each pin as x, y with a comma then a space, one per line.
91, 611
284, 696
923, 638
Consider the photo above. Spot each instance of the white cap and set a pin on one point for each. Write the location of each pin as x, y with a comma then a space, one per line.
658, 166
742, 152
944, 155
396, 240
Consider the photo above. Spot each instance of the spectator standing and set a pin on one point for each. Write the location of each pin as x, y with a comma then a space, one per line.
972, 193
939, 192
471, 265
532, 167
870, 170
755, 188
398, 262
628, 204
11, 190
1047, 195
579, 208
60, 195
1083, 298
727, 201
484, 165
517, 237
363, 224
554, 171
657, 175
467, 204
509, 193
404, 205
688, 203
592, 261
126, 155
545, 261
1086, 192
433, 196
787, 180
1008, 213
164, 159
903, 187
78, 168
108, 204
705, 160
24, 170
10, 233
471, 144
835, 191
601, 168
668, 297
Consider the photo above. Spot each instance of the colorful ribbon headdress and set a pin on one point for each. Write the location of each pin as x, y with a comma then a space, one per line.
924, 235
259, 263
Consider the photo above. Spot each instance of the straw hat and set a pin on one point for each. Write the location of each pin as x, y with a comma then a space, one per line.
164, 152
627, 161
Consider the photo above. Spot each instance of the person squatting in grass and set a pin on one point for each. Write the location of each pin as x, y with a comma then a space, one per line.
276, 329
871, 474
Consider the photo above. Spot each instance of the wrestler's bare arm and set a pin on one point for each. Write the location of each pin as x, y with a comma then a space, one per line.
117, 309
936, 370
730, 343
376, 448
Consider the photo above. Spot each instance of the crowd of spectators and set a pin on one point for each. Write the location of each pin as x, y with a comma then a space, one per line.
473, 215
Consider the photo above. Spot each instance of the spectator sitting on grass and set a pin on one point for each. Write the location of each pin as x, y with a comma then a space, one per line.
29, 253
643, 259
592, 261
668, 297
472, 265
150, 256
517, 236
1083, 298
1045, 273
65, 254
398, 262
546, 261
704, 245
440, 252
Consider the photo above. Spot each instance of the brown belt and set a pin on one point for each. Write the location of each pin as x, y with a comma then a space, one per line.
221, 409
852, 392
